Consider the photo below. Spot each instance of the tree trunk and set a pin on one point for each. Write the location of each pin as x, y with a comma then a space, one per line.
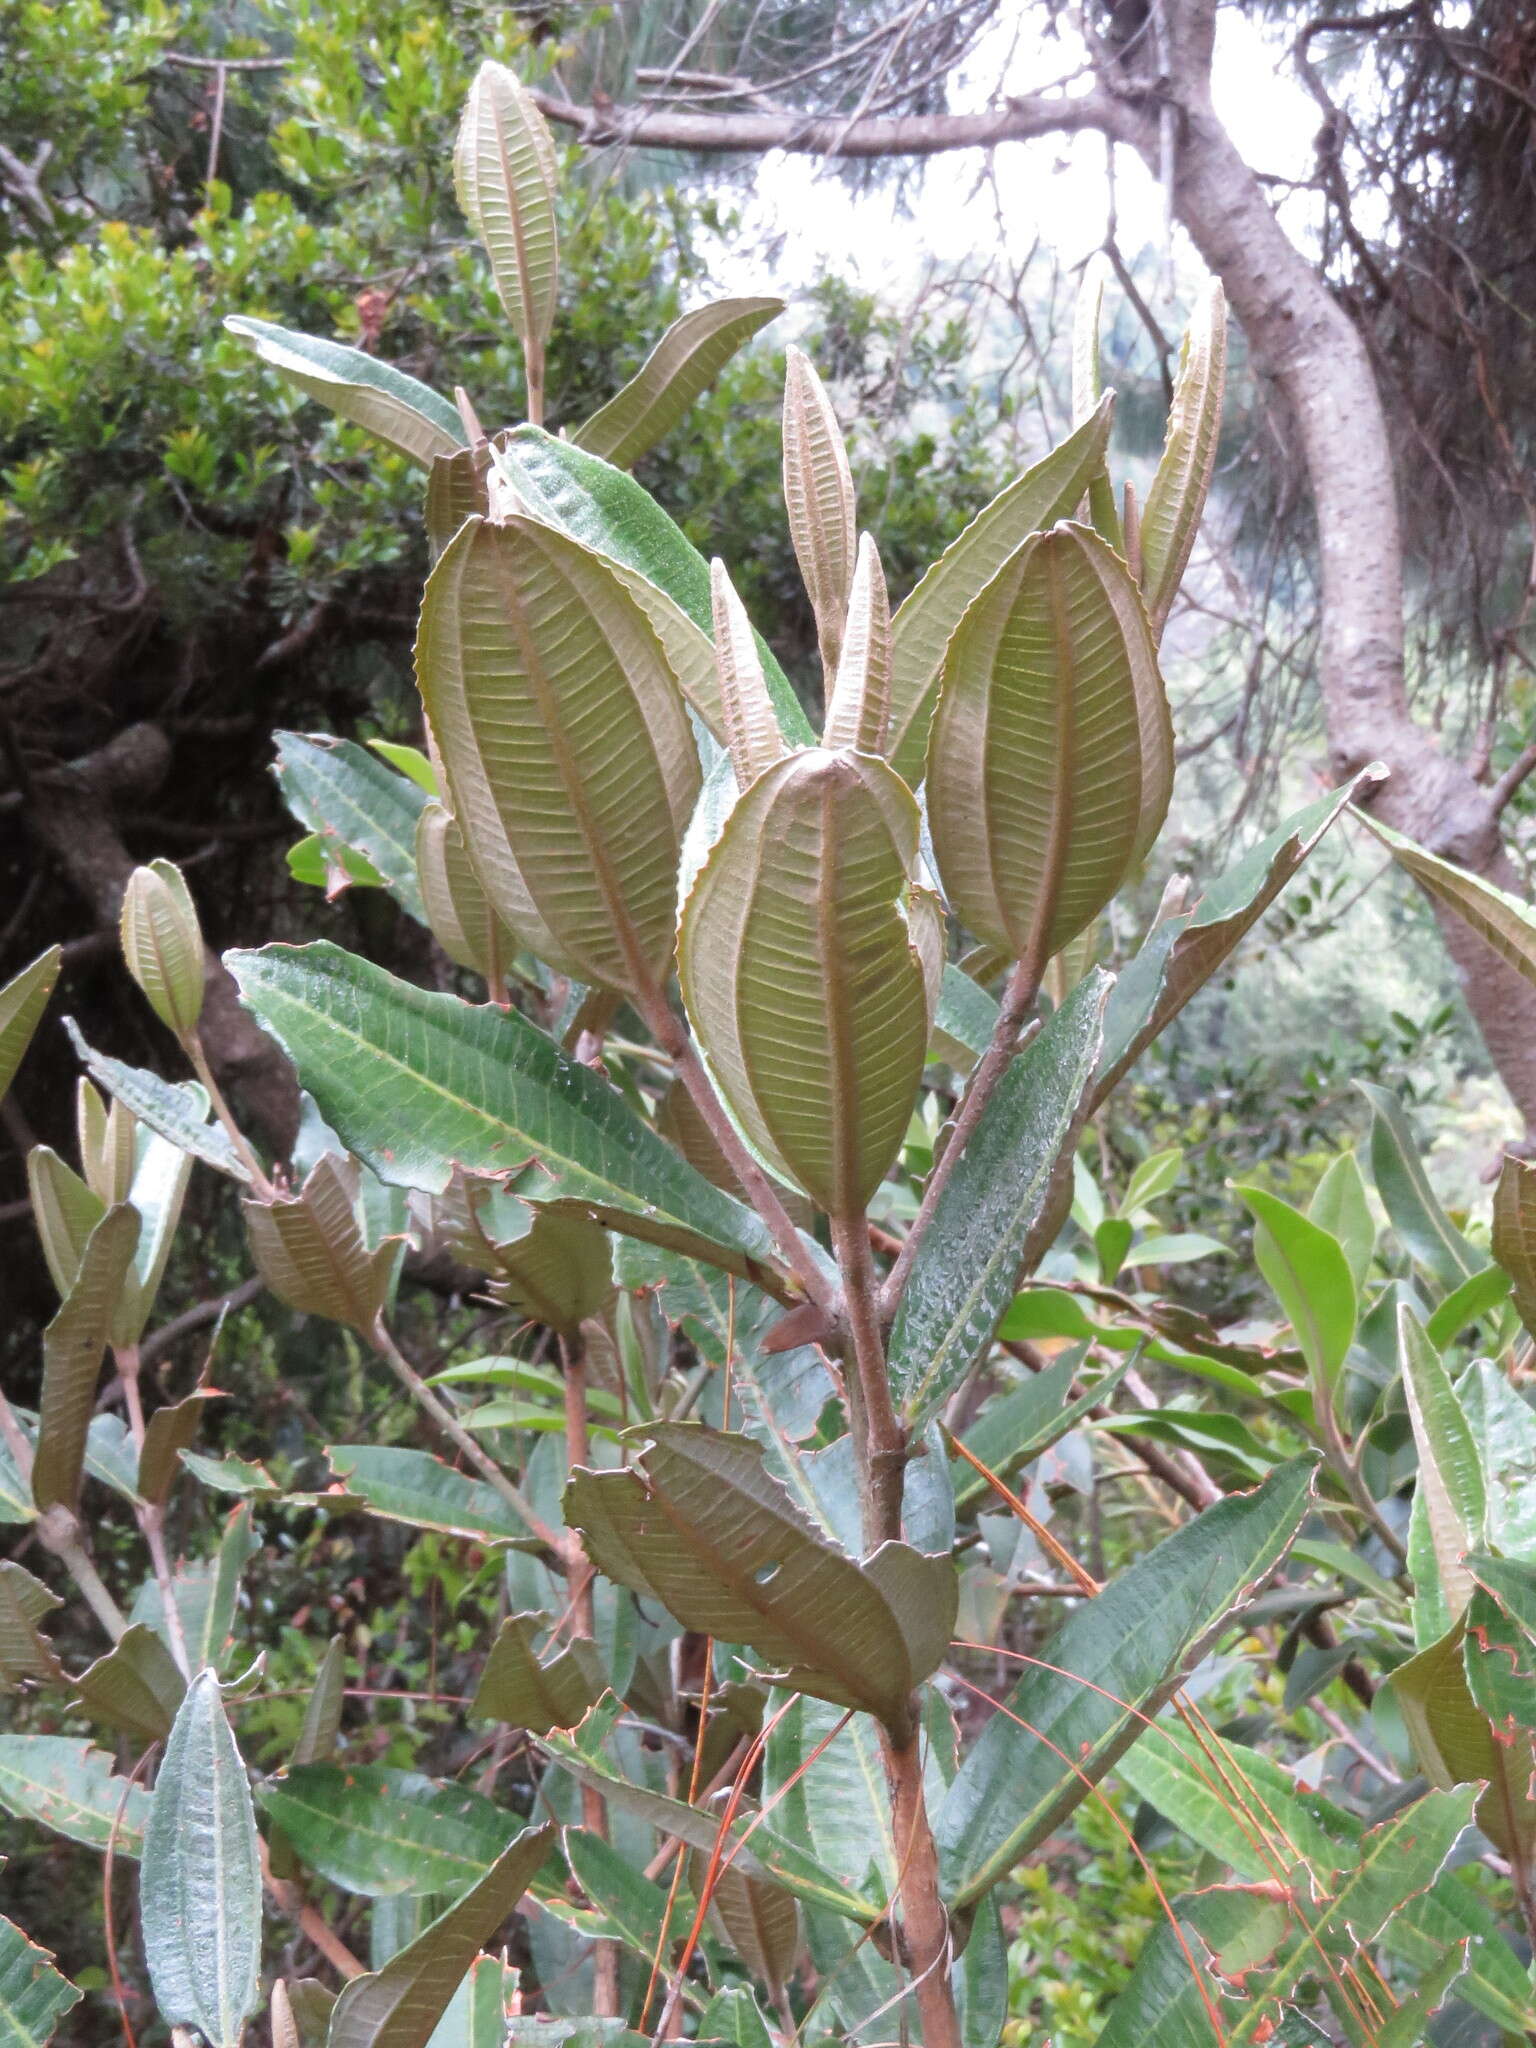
1299, 336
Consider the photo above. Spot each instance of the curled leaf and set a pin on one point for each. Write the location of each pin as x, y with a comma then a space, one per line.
799, 972
819, 497
310, 1248
859, 713
565, 742
1050, 762
747, 716
1171, 517
374, 395
698, 1523
505, 174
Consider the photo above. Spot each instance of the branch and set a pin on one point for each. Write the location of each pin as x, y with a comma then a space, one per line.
1511, 779
876, 135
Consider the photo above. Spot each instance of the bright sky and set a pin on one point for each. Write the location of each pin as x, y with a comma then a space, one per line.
1056, 188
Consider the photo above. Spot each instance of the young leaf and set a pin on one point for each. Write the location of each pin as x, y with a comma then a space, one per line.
1181, 954
1310, 1278
310, 1248
382, 1832
22, 1003
517, 1688
996, 1210
200, 1882
33, 1996
73, 1345
819, 498
859, 709
162, 943
1050, 760
1341, 1206
456, 491
1171, 516
1507, 924
606, 510
137, 1685
1130, 1645
564, 740
398, 2006
798, 969
1514, 1232
736, 1559
505, 175
457, 907
748, 719
1427, 1233
65, 1784
1051, 489
374, 395
174, 1110
350, 798
1450, 1467
416, 1083
682, 365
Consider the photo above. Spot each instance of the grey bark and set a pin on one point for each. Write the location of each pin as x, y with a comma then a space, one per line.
1300, 337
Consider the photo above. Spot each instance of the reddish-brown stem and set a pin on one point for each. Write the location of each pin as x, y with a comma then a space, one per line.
672, 1037
881, 1443
594, 1808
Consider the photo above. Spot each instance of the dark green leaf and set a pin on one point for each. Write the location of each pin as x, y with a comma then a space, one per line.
33, 1996
136, 1686
1427, 1233
379, 1831
993, 1214
417, 1084
349, 798
373, 394
398, 2006
416, 1488
516, 1688
1118, 1658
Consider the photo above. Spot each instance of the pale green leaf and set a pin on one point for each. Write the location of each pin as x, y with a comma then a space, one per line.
200, 1882
564, 740
1051, 489
73, 1346
800, 977
517, 1688
1171, 517
374, 395
1310, 1278
22, 1003
65, 1784
1450, 1467
1050, 760
353, 801
819, 499
682, 365
505, 174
